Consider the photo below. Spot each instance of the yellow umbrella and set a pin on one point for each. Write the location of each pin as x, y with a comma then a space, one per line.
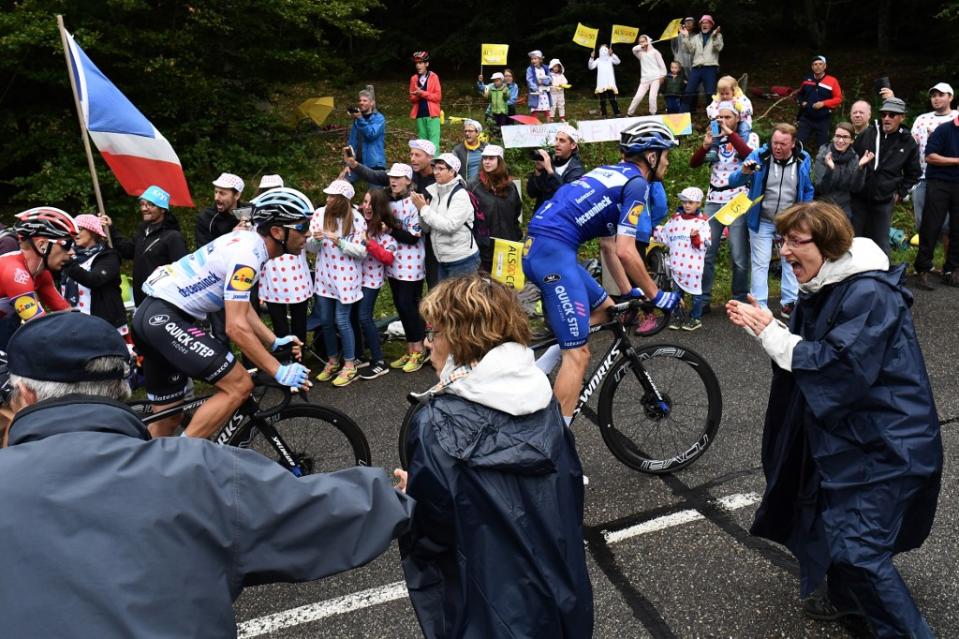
316, 109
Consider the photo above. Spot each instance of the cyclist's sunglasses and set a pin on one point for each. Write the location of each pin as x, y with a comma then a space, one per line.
67, 243
302, 227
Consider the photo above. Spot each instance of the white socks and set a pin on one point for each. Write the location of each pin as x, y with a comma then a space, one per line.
548, 360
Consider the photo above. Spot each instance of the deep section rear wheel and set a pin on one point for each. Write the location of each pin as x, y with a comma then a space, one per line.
320, 439
662, 433
405, 432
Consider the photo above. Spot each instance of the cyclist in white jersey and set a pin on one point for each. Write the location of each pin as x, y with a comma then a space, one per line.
218, 276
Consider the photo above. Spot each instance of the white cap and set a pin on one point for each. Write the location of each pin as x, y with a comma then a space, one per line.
942, 87
691, 194
570, 131
425, 146
229, 181
401, 170
449, 160
340, 187
493, 151
535, 53
270, 181
497, 76
473, 123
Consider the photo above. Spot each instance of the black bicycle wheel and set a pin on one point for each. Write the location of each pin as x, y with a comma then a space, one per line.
658, 268
405, 432
319, 439
653, 436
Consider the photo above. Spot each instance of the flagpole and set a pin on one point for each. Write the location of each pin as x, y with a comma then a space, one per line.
83, 128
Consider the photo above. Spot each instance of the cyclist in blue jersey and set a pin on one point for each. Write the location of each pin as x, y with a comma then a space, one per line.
607, 202
218, 276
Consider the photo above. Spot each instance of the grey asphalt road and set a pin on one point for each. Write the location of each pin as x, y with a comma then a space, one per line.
691, 569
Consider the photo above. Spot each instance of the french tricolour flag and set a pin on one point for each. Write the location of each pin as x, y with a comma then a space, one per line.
137, 153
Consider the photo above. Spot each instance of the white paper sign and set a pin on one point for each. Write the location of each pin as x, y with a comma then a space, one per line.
530, 135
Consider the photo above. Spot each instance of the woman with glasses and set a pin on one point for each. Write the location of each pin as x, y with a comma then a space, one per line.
495, 547
852, 451
838, 170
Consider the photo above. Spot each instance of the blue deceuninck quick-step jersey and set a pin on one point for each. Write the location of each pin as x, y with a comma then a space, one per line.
609, 200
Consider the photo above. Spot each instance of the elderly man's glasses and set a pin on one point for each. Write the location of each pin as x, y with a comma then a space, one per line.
886, 114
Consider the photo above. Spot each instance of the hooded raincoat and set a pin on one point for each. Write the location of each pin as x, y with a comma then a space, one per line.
851, 447
496, 546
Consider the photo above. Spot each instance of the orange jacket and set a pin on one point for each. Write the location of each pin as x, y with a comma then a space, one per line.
434, 93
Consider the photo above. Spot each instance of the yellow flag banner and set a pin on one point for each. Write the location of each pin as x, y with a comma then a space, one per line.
623, 34
735, 208
672, 29
585, 36
493, 54
508, 263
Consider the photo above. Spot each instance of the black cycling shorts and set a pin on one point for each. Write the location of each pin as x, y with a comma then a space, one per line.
174, 349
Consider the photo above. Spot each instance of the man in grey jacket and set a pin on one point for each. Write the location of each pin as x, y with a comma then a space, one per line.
108, 533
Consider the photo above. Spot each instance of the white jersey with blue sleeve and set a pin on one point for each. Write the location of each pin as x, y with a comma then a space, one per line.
223, 270
609, 200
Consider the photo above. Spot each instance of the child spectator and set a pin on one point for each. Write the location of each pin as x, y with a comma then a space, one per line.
337, 233
425, 96
513, 91
727, 90
538, 83
605, 78
674, 87
380, 253
687, 235
557, 93
405, 275
498, 95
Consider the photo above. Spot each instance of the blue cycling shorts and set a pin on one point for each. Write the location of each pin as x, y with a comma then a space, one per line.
569, 293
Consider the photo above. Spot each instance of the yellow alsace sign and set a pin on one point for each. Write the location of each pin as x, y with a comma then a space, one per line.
623, 34
585, 36
507, 265
735, 208
493, 54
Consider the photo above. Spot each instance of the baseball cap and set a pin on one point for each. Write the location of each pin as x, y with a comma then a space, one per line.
340, 187
229, 181
893, 105
400, 170
79, 338
942, 87
493, 151
819, 58
570, 131
691, 194
156, 196
425, 146
497, 76
270, 182
473, 123
449, 160
90, 223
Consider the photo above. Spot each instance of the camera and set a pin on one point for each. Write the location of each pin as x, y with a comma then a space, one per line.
881, 83
536, 155
353, 110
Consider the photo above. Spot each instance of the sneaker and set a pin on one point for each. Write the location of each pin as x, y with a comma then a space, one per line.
401, 362
361, 362
692, 324
328, 372
820, 608
674, 324
786, 310
950, 279
647, 325
376, 369
415, 362
345, 378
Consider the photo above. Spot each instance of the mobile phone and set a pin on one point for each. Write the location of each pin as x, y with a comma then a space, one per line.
882, 83
348, 151
243, 214
714, 128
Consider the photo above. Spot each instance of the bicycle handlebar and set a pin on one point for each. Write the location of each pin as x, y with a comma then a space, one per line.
284, 355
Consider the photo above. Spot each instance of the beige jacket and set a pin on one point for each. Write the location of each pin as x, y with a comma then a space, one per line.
707, 56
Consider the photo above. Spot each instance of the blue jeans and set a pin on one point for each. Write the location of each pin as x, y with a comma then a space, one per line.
335, 315
368, 325
761, 245
738, 250
674, 104
707, 76
465, 266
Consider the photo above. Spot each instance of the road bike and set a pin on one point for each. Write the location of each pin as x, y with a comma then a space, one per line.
304, 438
659, 406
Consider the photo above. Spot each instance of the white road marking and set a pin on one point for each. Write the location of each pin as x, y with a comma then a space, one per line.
397, 590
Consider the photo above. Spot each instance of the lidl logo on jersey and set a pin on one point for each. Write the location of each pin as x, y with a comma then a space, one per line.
242, 279
27, 306
635, 213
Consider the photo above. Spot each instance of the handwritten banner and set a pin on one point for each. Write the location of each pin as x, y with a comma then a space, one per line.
609, 130
530, 135
493, 54
585, 36
623, 34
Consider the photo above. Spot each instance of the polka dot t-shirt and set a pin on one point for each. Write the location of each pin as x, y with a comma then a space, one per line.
409, 265
337, 274
685, 260
286, 279
374, 271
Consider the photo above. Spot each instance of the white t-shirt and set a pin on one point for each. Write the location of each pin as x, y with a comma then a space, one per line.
199, 283
923, 127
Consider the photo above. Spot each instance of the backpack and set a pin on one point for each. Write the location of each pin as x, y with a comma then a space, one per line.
479, 228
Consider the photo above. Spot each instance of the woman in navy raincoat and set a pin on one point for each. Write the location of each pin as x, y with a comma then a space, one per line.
496, 543
851, 448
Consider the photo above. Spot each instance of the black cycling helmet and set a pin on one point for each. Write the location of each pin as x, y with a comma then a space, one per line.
284, 207
647, 135
46, 221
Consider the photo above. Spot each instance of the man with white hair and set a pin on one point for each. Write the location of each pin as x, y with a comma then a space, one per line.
553, 171
470, 151
124, 536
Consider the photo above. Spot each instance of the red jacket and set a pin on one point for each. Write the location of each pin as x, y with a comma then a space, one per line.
434, 93
825, 89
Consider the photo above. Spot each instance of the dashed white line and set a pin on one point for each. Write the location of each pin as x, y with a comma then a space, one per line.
397, 590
